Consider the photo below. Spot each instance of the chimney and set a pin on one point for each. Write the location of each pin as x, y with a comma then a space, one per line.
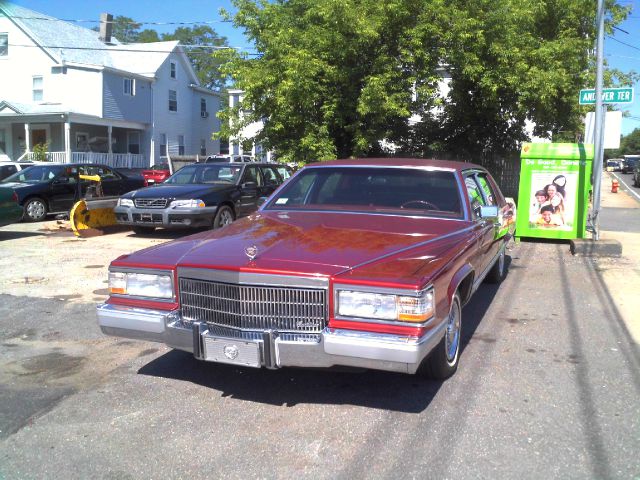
106, 27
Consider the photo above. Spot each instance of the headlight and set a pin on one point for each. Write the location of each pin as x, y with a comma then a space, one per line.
125, 202
141, 284
402, 308
192, 203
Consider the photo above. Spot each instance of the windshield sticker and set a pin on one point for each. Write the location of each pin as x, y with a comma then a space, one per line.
282, 201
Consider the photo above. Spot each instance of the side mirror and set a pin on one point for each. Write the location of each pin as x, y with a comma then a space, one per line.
489, 212
261, 201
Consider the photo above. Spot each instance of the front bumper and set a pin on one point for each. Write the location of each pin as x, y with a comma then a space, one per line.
165, 217
271, 349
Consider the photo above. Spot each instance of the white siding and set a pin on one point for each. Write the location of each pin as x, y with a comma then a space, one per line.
21, 64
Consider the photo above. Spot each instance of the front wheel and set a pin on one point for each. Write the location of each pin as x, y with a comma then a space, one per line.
443, 360
224, 216
35, 210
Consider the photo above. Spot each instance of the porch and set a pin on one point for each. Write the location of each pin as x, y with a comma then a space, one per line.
116, 160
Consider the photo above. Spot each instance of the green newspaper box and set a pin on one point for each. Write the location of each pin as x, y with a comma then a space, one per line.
553, 198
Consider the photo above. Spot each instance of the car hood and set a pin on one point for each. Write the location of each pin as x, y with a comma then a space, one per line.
302, 243
178, 191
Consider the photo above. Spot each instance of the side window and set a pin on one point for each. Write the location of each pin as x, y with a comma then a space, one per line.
270, 176
107, 174
7, 170
475, 197
284, 172
251, 174
486, 189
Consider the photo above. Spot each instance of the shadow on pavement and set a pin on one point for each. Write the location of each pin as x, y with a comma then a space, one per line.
292, 386
14, 235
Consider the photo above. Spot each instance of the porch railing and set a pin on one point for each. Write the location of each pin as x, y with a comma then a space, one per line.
116, 160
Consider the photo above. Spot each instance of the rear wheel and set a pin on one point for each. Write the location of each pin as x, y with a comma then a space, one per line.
224, 216
443, 360
35, 210
496, 274
143, 230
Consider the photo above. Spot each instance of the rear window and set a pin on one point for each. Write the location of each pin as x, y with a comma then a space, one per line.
409, 191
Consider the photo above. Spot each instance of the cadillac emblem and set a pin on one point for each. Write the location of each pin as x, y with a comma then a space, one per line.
251, 252
230, 351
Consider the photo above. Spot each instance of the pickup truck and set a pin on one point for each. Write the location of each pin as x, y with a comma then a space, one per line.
359, 263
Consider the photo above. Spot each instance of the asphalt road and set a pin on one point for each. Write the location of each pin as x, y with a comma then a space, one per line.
548, 387
622, 219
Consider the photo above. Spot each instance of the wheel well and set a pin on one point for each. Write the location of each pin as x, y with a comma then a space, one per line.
464, 288
230, 205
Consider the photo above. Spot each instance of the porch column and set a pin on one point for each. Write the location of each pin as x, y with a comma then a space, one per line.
27, 136
67, 142
109, 134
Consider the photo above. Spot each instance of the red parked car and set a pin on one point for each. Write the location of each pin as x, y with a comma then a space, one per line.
156, 174
363, 263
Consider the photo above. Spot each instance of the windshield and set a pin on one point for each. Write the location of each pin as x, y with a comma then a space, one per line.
35, 174
407, 191
205, 174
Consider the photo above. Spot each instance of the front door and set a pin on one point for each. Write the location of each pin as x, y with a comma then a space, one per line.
38, 137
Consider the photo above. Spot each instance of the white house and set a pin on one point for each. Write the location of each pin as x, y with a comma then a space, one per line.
88, 98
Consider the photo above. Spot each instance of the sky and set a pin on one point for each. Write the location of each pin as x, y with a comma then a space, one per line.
621, 51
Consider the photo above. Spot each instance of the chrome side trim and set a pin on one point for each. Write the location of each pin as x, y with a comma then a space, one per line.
259, 279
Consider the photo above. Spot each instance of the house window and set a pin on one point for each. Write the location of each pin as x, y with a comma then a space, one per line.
180, 144
82, 142
133, 142
203, 147
173, 101
4, 44
172, 67
38, 91
163, 144
3, 142
203, 108
129, 86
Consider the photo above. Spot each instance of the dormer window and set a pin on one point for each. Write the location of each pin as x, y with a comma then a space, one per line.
129, 86
4, 44
172, 69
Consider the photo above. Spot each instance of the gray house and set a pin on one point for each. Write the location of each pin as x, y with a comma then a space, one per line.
85, 97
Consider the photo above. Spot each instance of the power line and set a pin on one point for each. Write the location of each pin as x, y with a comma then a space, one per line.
623, 43
133, 22
135, 50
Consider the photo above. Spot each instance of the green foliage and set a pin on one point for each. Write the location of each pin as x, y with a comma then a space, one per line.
40, 152
125, 29
335, 77
629, 145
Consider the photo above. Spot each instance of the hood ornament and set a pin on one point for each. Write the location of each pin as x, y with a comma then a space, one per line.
251, 252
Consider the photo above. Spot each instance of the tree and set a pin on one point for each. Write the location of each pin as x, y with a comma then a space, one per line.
125, 29
334, 78
206, 65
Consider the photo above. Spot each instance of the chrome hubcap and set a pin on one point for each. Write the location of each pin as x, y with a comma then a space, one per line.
35, 209
226, 218
452, 335
501, 262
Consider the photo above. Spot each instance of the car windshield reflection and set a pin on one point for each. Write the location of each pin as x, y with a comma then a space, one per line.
404, 191
35, 174
205, 174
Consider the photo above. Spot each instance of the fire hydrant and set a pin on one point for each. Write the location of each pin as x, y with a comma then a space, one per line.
614, 186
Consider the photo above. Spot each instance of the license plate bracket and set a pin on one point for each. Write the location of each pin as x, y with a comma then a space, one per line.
231, 350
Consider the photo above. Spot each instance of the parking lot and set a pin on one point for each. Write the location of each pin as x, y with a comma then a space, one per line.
548, 384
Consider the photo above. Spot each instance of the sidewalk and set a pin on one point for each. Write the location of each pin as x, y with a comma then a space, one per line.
622, 275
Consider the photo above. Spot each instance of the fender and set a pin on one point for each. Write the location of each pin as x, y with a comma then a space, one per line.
463, 272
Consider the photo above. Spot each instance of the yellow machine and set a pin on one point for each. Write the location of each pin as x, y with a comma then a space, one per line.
90, 215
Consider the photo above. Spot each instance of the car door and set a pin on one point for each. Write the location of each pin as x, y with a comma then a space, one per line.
63, 190
484, 228
272, 180
250, 190
112, 182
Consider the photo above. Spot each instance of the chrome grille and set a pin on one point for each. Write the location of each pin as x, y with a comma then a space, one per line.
251, 307
150, 202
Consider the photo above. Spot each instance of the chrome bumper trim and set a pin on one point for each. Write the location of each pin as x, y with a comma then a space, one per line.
332, 347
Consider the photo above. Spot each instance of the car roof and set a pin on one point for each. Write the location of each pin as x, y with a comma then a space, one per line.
400, 162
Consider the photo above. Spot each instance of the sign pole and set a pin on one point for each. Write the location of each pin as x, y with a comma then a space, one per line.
598, 130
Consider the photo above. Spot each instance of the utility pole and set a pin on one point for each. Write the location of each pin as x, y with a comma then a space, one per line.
598, 133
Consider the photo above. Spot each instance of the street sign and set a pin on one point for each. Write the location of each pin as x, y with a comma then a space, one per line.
609, 95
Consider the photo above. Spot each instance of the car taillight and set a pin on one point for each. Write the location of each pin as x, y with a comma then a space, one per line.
15, 196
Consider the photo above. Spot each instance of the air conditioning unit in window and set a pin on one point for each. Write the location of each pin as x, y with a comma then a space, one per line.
204, 114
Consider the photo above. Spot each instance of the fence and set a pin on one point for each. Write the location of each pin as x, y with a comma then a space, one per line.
116, 160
